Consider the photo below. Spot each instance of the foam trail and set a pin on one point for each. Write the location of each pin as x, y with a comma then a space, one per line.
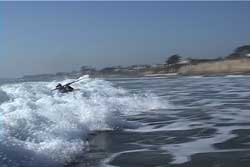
40, 127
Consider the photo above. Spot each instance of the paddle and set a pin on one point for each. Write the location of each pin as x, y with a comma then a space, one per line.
67, 84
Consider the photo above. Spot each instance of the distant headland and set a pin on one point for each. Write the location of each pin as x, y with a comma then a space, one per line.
237, 62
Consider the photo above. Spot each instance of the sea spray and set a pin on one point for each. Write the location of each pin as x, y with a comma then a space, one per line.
40, 125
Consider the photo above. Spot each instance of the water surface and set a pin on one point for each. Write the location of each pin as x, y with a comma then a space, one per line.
127, 122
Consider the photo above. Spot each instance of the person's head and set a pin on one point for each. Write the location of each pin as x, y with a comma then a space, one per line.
59, 86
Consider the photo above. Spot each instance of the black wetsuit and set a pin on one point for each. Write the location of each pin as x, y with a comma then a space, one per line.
65, 89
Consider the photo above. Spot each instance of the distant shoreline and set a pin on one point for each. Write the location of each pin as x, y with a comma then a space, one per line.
222, 67
214, 68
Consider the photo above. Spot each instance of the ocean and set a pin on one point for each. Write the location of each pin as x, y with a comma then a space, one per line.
188, 121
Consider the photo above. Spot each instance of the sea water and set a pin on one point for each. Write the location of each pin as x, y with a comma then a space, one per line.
128, 122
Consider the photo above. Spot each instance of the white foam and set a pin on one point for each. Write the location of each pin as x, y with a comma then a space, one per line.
181, 124
196, 77
235, 76
54, 125
182, 152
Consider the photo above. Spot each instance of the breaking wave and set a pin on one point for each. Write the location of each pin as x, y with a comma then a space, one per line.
40, 127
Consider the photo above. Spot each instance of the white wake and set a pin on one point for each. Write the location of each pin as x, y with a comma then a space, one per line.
37, 124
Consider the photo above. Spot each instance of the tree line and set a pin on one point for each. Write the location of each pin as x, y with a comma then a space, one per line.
239, 52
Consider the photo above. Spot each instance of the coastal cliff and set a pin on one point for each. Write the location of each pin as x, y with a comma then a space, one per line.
235, 66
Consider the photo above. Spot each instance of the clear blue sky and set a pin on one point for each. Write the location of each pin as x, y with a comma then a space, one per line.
45, 37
